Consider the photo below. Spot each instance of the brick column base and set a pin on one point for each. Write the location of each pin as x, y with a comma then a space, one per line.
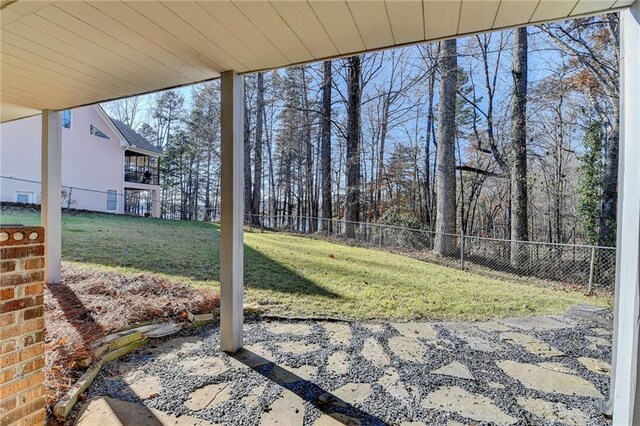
22, 391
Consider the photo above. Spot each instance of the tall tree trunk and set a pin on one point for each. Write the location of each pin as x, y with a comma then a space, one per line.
247, 158
352, 201
325, 154
383, 138
610, 184
207, 189
257, 152
519, 196
309, 202
427, 154
445, 154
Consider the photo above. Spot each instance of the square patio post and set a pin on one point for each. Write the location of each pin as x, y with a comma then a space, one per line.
626, 403
231, 206
51, 194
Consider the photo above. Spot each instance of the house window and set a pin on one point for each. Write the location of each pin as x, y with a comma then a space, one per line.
24, 197
97, 132
66, 119
112, 200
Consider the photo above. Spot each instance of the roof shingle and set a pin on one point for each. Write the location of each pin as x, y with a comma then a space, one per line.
135, 138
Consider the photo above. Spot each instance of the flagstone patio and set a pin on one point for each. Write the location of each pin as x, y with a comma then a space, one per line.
526, 371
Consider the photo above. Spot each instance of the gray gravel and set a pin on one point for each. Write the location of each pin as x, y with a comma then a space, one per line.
380, 407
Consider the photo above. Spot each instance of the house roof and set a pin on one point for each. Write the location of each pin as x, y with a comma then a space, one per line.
134, 138
64, 54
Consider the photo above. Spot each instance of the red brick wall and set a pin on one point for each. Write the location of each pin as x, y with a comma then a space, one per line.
22, 389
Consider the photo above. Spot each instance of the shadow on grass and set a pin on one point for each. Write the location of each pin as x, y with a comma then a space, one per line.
180, 249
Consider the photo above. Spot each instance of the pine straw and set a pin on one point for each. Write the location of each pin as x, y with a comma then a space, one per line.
90, 304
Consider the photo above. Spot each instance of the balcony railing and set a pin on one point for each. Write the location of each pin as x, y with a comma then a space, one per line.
141, 177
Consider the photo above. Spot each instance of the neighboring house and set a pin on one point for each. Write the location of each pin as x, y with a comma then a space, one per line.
106, 165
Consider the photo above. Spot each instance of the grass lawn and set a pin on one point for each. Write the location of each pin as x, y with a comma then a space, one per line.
300, 276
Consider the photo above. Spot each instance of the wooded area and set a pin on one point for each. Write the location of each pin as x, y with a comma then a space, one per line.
510, 134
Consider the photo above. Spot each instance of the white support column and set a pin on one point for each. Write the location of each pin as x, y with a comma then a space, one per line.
231, 206
155, 203
626, 400
51, 204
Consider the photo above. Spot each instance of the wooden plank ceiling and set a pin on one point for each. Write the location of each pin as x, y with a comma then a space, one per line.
62, 54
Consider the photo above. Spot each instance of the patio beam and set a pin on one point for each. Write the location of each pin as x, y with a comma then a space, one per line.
51, 198
626, 404
231, 206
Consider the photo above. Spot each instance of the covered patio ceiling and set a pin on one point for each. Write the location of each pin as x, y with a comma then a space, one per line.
63, 54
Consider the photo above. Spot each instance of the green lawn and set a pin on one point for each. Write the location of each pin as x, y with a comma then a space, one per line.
300, 276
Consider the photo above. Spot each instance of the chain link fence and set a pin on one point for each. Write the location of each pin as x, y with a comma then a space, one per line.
587, 266
29, 192
583, 265
133, 201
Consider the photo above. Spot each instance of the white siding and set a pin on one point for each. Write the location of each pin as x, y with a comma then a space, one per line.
89, 162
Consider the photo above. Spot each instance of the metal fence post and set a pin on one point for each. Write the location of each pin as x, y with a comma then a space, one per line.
591, 268
461, 249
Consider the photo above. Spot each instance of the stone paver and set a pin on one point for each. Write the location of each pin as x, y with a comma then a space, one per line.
596, 365
531, 344
455, 369
105, 411
595, 342
290, 374
287, 410
472, 406
374, 328
171, 349
297, 348
336, 419
392, 383
536, 323
146, 387
252, 400
252, 356
353, 393
491, 326
295, 329
538, 378
373, 352
476, 340
553, 411
556, 366
338, 333
338, 363
599, 331
407, 348
416, 329
208, 396
203, 366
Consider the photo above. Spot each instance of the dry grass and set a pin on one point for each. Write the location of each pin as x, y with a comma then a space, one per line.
91, 303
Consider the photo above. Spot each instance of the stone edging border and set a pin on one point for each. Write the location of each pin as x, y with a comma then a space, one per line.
114, 346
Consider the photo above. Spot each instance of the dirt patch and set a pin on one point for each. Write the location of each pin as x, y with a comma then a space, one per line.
90, 304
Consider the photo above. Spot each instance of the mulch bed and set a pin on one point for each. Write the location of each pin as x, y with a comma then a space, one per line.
89, 304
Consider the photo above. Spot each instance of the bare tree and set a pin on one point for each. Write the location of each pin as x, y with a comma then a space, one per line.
257, 150
446, 160
352, 200
325, 152
126, 110
595, 44
519, 197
